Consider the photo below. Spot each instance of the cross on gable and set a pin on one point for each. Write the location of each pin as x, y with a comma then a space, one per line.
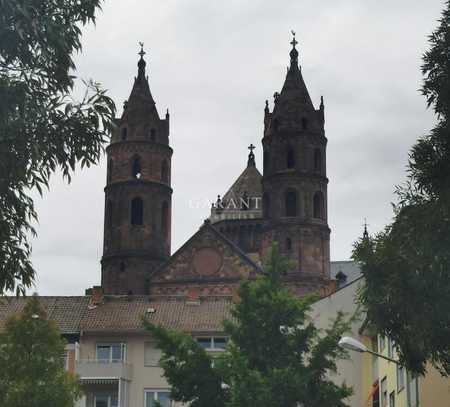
251, 147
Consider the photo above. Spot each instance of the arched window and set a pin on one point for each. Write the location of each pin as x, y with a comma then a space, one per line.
109, 170
152, 134
304, 123
290, 157
137, 211
164, 171
136, 168
122, 267
266, 162
109, 214
165, 220
290, 200
124, 133
317, 160
288, 244
318, 205
266, 206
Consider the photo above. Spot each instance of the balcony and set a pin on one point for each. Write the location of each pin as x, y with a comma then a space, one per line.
96, 369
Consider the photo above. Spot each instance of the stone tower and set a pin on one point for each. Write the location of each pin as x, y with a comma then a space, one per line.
137, 194
294, 179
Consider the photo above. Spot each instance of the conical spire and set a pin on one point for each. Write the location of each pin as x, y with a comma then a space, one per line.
294, 99
141, 98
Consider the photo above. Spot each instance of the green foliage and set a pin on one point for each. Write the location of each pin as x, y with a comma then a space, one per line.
407, 266
275, 357
42, 127
32, 368
188, 368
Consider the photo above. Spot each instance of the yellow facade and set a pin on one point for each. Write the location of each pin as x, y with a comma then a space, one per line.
388, 385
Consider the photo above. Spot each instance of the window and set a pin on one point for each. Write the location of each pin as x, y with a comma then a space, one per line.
382, 343
392, 399
106, 400
304, 123
318, 205
317, 160
161, 396
288, 244
147, 285
136, 168
275, 124
376, 396
341, 279
164, 172
242, 236
110, 352
152, 354
291, 202
390, 348
137, 209
290, 158
413, 390
400, 378
152, 134
384, 393
65, 359
212, 343
124, 133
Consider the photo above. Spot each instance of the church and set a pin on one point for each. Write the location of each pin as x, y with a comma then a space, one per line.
286, 204
194, 288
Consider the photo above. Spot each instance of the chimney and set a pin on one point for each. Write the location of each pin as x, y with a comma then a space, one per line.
193, 296
97, 295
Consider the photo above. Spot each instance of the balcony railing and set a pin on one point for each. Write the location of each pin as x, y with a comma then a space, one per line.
90, 369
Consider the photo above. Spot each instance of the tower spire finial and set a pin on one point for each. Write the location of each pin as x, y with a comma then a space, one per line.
294, 42
141, 52
365, 232
251, 156
294, 53
141, 63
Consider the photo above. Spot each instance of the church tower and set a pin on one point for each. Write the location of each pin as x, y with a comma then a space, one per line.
137, 193
294, 180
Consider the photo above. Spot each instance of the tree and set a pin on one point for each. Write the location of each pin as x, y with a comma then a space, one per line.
42, 127
407, 266
275, 356
33, 373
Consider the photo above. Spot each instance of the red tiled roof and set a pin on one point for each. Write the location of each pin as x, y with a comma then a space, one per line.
67, 312
124, 313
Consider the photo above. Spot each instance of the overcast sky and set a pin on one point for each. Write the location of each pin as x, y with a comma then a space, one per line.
213, 64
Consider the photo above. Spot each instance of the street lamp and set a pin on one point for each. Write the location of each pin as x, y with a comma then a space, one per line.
349, 343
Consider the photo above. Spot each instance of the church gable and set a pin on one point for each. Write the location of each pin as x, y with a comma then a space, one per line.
206, 257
